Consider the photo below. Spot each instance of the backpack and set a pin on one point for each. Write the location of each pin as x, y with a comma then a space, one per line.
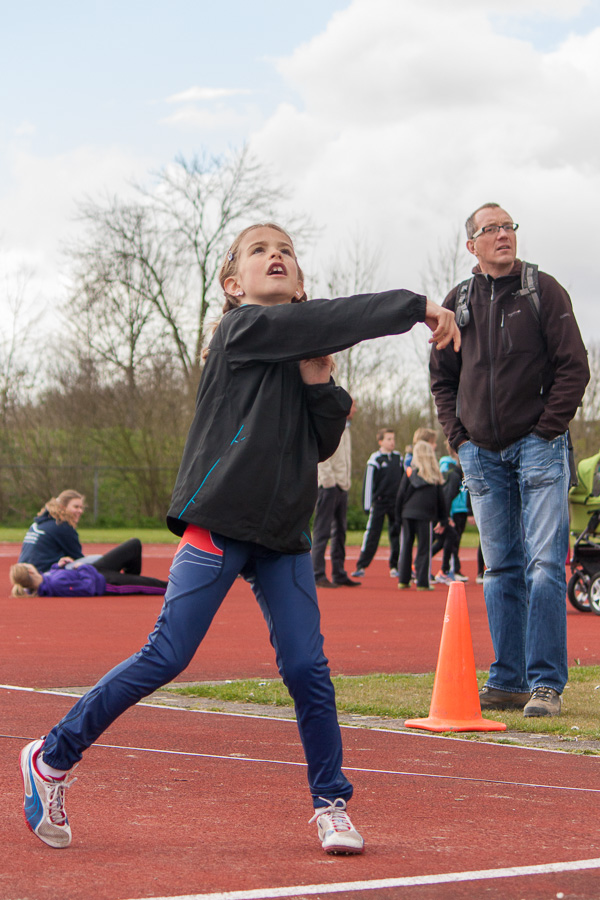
530, 288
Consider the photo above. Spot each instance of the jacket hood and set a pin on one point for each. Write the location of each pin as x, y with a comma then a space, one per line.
416, 480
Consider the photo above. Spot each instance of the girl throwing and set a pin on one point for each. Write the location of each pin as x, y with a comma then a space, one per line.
267, 411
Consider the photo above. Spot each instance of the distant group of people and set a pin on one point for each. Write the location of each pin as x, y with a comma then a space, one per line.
413, 494
507, 375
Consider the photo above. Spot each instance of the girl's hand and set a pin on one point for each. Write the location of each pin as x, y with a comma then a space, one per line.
63, 561
316, 371
442, 323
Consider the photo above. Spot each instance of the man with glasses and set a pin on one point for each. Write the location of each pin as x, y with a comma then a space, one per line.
505, 402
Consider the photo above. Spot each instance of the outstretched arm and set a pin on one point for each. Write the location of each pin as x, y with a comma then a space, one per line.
442, 323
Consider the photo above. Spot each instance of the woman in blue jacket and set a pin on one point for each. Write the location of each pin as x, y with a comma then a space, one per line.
53, 532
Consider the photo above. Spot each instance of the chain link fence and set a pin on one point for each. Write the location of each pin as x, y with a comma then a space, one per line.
115, 495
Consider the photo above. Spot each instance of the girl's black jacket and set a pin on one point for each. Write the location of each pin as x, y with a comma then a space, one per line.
249, 467
418, 499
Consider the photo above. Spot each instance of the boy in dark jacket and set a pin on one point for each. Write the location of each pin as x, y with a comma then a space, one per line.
382, 479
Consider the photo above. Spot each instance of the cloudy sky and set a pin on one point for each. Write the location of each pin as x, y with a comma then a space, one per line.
389, 118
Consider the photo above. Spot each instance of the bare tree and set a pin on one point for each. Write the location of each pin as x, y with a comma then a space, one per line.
202, 204
148, 269
442, 273
17, 364
585, 428
123, 279
371, 368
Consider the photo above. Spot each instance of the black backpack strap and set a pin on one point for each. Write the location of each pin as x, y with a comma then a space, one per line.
463, 298
530, 286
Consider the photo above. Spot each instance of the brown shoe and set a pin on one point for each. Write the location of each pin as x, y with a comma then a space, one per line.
493, 698
545, 701
324, 582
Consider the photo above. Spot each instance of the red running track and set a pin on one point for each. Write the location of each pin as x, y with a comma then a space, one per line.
180, 803
373, 628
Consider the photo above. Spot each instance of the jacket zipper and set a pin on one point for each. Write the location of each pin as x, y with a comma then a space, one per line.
491, 352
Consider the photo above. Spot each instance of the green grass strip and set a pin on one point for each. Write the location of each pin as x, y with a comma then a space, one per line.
408, 696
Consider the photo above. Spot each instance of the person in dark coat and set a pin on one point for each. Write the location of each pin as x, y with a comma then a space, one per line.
420, 506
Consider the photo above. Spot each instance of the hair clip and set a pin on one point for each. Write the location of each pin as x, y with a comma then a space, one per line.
230, 256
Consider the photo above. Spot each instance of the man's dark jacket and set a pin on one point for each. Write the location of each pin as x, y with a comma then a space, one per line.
516, 373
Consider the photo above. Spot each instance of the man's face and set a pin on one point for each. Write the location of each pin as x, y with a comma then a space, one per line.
388, 442
496, 252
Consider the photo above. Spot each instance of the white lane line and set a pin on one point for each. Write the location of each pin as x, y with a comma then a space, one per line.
287, 762
208, 712
291, 720
281, 762
379, 883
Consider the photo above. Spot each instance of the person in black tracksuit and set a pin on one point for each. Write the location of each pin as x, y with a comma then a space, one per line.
420, 504
267, 411
382, 480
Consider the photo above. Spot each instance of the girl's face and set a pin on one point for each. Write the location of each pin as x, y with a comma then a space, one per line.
75, 508
267, 271
36, 576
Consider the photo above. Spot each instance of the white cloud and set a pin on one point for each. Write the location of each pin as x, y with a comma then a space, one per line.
25, 129
40, 205
202, 110
407, 121
194, 94
221, 117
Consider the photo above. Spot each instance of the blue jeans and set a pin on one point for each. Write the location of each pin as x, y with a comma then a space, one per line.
203, 569
519, 499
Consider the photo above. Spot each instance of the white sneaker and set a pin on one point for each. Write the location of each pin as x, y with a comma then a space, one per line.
458, 576
336, 832
394, 573
443, 578
479, 579
44, 803
358, 573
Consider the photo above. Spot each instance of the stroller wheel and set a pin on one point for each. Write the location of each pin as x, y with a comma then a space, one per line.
578, 592
595, 595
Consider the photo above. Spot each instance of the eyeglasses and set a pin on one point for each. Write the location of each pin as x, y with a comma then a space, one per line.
494, 229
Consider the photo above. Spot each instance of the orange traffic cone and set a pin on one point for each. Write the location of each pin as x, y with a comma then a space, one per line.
455, 699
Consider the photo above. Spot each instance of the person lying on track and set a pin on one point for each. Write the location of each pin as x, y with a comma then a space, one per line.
116, 572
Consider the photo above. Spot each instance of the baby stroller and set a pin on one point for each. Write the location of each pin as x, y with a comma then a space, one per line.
583, 589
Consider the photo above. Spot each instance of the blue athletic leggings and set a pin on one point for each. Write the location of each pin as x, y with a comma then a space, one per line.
203, 569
